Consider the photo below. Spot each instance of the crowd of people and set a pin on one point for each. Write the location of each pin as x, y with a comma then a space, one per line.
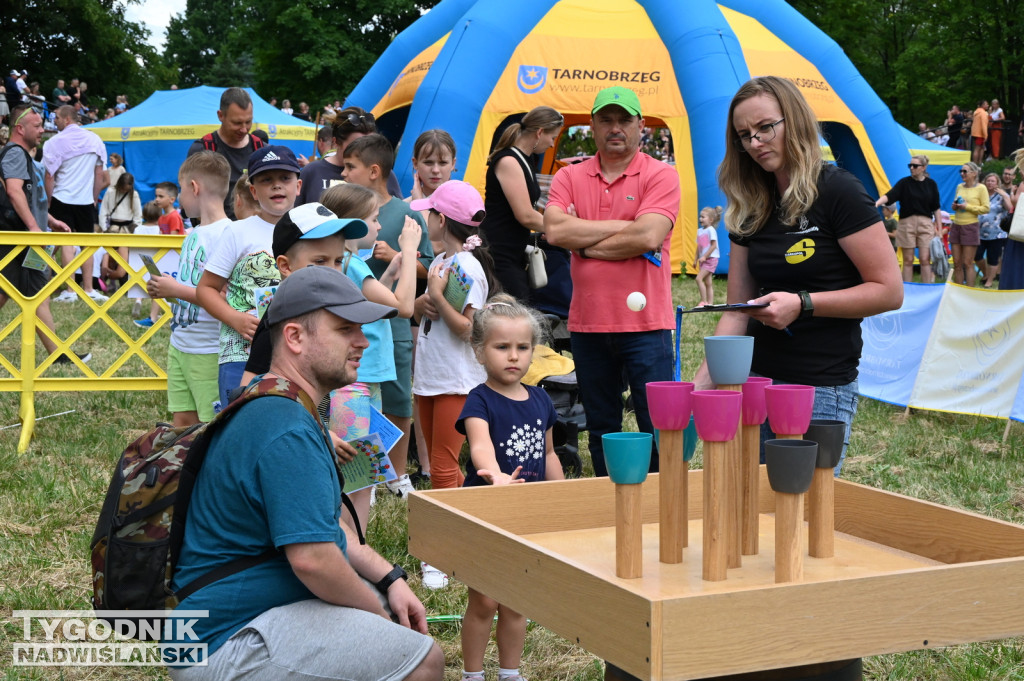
972, 130
324, 278
17, 89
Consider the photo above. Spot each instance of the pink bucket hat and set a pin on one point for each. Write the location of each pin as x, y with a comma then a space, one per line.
457, 200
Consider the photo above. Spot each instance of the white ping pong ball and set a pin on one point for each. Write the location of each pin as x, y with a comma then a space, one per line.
636, 301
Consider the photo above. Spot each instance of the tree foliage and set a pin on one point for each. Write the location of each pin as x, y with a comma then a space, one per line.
313, 51
922, 56
87, 39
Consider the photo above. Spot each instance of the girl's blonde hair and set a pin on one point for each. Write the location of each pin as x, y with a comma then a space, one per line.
505, 306
241, 191
539, 118
1018, 159
349, 200
750, 190
716, 214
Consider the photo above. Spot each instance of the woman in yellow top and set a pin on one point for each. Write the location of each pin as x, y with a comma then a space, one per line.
964, 235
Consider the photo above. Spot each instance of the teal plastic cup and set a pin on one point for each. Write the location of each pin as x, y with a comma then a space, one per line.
690, 440
627, 456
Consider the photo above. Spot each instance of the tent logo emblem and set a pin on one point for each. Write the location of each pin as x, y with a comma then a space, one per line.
531, 78
126, 133
271, 130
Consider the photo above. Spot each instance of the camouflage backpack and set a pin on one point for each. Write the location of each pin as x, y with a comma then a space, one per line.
141, 526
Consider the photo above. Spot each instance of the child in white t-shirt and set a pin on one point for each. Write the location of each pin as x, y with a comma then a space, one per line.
192, 389
244, 262
150, 225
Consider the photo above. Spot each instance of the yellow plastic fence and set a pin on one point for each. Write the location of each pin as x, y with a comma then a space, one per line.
26, 375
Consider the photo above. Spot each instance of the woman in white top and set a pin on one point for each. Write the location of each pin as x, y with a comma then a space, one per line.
121, 208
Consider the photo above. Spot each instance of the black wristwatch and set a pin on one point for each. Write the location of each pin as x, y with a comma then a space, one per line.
806, 305
390, 578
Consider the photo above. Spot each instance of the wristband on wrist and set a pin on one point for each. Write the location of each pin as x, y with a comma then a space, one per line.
390, 578
806, 305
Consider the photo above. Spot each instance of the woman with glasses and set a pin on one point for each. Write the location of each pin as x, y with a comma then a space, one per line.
510, 192
807, 241
965, 234
920, 217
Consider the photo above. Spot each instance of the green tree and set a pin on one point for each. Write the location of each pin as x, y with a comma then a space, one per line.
313, 51
87, 39
922, 56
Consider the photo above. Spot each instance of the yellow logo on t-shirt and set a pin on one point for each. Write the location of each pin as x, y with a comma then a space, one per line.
800, 251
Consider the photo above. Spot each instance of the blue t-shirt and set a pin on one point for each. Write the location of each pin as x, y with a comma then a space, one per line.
378, 362
517, 428
268, 481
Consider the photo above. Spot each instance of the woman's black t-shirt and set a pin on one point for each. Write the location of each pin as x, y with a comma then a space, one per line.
806, 256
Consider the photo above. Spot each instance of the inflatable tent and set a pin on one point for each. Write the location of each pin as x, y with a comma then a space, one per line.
468, 65
154, 136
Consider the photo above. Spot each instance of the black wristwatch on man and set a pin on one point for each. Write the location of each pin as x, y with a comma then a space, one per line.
390, 578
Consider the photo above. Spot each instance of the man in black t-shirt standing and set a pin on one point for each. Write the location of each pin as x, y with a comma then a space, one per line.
232, 140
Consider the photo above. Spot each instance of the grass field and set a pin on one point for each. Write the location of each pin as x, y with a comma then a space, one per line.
49, 500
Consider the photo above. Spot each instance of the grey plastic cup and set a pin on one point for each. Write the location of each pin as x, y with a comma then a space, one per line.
790, 464
729, 358
829, 434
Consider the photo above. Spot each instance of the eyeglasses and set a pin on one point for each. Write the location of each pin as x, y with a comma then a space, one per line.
766, 133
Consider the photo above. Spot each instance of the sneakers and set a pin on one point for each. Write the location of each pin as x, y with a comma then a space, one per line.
68, 296
433, 578
473, 677
145, 322
137, 308
401, 487
97, 296
64, 359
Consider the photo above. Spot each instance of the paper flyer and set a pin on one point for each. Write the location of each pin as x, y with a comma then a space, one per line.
389, 433
34, 261
262, 295
456, 290
370, 466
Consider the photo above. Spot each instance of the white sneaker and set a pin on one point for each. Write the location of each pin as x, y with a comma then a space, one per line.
433, 578
97, 296
68, 296
401, 487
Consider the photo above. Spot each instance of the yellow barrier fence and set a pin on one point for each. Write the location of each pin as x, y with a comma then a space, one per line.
26, 374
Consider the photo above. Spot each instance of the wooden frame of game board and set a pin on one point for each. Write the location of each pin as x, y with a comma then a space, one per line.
907, 575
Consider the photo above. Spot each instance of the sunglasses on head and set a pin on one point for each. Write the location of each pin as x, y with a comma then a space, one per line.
359, 120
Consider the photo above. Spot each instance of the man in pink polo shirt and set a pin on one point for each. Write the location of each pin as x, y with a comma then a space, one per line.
615, 212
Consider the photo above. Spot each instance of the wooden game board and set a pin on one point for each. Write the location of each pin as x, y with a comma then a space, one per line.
906, 575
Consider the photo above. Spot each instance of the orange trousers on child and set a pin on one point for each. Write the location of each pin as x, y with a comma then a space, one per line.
438, 414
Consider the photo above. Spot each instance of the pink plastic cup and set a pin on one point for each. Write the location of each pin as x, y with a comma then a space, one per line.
669, 404
754, 409
717, 414
789, 408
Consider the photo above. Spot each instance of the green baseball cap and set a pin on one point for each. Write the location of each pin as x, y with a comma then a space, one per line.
622, 96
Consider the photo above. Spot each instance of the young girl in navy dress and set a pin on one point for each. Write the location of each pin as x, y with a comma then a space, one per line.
508, 425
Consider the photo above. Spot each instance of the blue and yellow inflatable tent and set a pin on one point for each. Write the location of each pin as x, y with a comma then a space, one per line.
468, 65
154, 136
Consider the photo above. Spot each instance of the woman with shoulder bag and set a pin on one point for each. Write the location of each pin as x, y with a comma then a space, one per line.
121, 208
511, 190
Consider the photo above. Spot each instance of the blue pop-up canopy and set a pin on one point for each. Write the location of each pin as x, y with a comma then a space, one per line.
154, 137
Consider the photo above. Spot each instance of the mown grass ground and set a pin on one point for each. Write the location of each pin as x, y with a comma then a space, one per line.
50, 497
